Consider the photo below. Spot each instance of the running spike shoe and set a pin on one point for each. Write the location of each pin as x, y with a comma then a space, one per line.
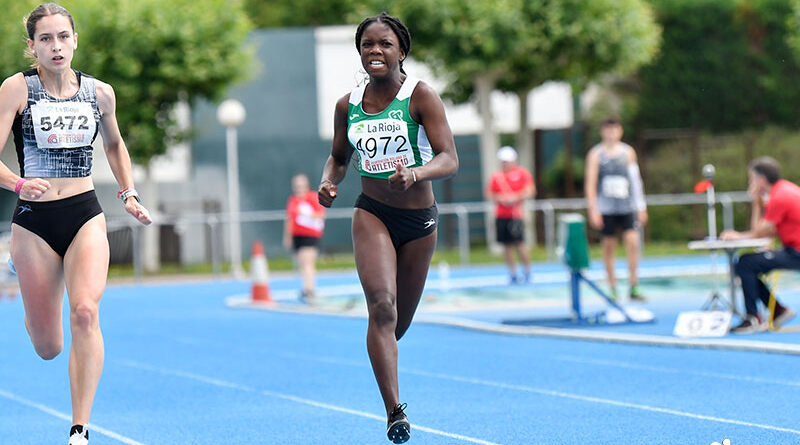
398, 428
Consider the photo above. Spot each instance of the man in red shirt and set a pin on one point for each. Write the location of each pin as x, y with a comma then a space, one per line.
509, 188
775, 212
305, 221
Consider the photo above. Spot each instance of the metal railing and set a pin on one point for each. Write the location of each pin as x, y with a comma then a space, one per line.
548, 208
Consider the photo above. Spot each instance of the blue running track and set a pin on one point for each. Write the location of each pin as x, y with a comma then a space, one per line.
182, 368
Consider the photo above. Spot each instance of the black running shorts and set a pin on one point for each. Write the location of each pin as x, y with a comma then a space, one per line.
404, 225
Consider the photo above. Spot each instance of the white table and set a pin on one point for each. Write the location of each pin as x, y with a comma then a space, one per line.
730, 247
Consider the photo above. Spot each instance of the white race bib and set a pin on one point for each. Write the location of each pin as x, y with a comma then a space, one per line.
382, 144
306, 218
616, 186
63, 124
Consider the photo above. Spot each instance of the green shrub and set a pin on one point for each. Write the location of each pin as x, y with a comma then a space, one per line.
723, 66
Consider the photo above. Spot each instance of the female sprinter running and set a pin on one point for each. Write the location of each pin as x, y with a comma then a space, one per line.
58, 231
397, 127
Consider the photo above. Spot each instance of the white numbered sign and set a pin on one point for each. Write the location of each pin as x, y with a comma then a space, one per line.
63, 124
702, 324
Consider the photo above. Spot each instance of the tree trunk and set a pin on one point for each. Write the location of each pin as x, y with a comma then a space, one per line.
151, 261
569, 178
489, 143
525, 134
526, 158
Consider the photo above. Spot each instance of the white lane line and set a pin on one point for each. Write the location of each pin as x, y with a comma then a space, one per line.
373, 416
322, 359
585, 361
665, 370
92, 427
186, 375
565, 395
615, 337
244, 388
548, 392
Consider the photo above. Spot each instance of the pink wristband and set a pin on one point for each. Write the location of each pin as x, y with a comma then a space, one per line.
18, 187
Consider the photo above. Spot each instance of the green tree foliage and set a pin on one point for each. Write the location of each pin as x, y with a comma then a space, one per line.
671, 170
794, 26
277, 13
13, 36
555, 176
153, 53
527, 42
516, 45
467, 43
462, 39
577, 40
724, 65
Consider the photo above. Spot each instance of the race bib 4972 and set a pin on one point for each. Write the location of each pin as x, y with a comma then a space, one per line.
63, 124
381, 144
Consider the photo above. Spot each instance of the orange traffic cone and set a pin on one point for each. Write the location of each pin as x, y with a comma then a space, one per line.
260, 274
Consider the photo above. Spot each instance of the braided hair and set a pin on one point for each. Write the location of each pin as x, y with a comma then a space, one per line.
403, 36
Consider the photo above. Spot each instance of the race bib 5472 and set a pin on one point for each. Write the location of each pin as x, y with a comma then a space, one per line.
63, 124
381, 144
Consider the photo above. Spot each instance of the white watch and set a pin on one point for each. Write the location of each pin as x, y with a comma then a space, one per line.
129, 193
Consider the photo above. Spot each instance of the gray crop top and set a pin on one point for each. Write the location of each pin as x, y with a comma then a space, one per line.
54, 136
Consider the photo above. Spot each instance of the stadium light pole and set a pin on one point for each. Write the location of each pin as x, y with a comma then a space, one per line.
231, 114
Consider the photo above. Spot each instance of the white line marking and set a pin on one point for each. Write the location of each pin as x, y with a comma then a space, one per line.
548, 392
615, 337
373, 416
92, 427
186, 375
542, 331
236, 386
331, 360
565, 395
666, 370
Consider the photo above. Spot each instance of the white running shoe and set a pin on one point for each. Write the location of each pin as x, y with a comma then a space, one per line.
750, 325
782, 315
79, 437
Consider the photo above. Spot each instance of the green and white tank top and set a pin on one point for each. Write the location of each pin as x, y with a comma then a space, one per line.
382, 140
